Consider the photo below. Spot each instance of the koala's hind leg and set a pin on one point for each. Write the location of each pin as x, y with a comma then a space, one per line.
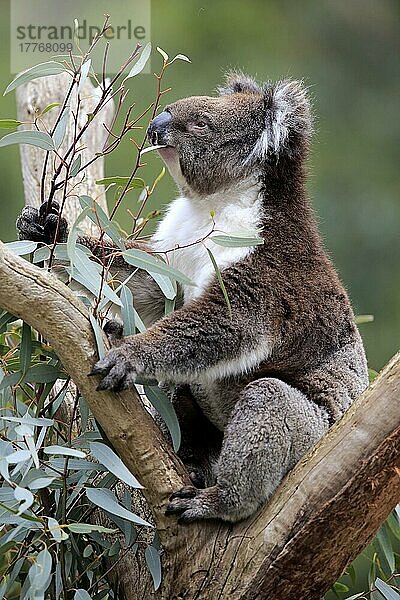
271, 427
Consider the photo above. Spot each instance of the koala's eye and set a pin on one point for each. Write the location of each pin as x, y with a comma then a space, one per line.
200, 126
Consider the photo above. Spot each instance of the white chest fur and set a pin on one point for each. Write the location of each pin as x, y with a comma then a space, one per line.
188, 220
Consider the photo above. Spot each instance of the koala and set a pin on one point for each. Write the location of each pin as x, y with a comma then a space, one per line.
257, 386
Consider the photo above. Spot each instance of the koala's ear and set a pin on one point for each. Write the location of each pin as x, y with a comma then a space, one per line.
287, 111
238, 82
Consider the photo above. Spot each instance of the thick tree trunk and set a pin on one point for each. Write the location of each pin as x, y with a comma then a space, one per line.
323, 514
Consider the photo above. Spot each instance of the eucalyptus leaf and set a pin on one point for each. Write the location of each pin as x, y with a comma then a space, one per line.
98, 334
55, 530
73, 237
40, 483
91, 277
237, 240
387, 592
5, 319
107, 457
361, 319
14, 573
99, 217
22, 247
153, 264
127, 311
24, 430
151, 148
61, 127
64, 450
11, 379
60, 252
82, 594
50, 107
152, 557
25, 497
164, 407
27, 420
165, 284
84, 413
88, 527
383, 539
180, 57
340, 587
44, 373
40, 573
40, 139
9, 123
76, 165
76, 464
163, 53
141, 62
107, 500
25, 348
85, 68
18, 456
42, 70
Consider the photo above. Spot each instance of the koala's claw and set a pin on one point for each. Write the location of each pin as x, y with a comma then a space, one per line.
186, 492
29, 226
192, 504
117, 371
113, 330
40, 225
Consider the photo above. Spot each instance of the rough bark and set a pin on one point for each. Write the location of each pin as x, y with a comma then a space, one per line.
323, 514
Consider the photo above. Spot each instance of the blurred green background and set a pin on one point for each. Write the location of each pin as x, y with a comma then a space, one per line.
348, 54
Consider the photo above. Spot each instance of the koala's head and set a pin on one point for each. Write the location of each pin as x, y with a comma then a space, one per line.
212, 142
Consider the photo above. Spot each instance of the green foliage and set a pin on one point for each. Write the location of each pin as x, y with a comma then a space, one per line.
49, 488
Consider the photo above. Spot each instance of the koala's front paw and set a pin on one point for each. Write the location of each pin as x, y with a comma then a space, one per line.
118, 369
38, 226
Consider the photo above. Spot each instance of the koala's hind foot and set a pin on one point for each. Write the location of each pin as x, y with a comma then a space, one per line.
192, 504
271, 427
38, 226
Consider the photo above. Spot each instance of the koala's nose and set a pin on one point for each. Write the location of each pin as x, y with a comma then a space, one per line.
158, 128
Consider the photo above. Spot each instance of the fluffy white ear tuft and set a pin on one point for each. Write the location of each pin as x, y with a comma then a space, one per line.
287, 111
290, 112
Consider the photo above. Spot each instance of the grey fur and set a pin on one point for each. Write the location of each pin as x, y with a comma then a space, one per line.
255, 390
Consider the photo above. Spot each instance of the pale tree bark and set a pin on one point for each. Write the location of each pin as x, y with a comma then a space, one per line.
323, 514
34, 97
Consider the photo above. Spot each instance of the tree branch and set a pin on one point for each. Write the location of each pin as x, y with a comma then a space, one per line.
49, 306
324, 513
